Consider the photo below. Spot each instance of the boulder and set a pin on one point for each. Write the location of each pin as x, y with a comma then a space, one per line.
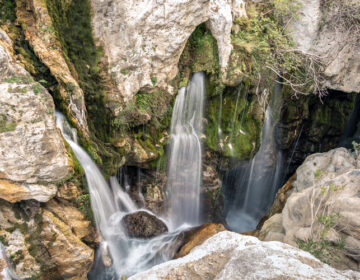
229, 255
322, 213
142, 224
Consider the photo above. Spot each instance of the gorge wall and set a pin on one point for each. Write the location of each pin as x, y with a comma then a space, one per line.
114, 67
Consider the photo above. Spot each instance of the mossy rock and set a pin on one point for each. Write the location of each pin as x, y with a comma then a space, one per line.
236, 131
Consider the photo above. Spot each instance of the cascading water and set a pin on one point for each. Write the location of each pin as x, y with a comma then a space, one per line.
257, 183
184, 172
110, 205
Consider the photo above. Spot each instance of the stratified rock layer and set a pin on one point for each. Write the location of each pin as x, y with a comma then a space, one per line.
229, 255
41, 35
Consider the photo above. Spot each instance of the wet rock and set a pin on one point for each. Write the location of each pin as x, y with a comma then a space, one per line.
197, 236
142, 224
229, 255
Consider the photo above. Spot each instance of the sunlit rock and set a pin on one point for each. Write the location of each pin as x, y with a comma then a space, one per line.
229, 255
327, 34
72, 217
72, 257
15, 192
198, 236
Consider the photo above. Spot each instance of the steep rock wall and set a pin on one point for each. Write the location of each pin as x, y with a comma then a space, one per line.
143, 41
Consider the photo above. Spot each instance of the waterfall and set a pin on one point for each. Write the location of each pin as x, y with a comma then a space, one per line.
256, 184
101, 196
184, 171
109, 205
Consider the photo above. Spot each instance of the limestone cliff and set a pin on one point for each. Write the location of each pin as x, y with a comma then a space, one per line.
143, 41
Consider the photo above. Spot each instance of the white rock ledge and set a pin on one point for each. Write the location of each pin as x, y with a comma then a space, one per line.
229, 255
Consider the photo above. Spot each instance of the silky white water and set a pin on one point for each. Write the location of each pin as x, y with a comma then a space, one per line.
256, 184
109, 205
184, 170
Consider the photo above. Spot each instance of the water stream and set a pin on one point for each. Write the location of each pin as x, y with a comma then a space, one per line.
256, 183
111, 202
184, 171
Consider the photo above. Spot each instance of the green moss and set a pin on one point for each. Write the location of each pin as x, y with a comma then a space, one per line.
7, 11
233, 133
6, 125
85, 207
3, 241
72, 24
200, 54
263, 50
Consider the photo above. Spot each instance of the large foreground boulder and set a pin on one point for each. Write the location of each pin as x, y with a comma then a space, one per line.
321, 215
142, 224
229, 255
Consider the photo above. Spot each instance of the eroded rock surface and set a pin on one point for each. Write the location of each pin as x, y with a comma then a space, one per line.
229, 255
198, 236
32, 152
143, 40
72, 257
322, 213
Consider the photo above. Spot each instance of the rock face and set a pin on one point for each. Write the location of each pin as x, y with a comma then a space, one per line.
321, 214
32, 152
40, 243
143, 41
328, 33
41, 35
142, 224
72, 257
230, 255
